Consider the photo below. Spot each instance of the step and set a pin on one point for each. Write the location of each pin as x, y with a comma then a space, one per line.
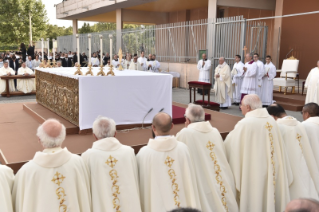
290, 106
289, 99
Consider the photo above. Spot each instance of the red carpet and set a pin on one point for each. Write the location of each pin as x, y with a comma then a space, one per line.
178, 115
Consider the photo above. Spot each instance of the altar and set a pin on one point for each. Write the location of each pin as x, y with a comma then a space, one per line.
127, 97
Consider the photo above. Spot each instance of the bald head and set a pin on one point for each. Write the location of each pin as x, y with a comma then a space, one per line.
51, 133
303, 205
162, 124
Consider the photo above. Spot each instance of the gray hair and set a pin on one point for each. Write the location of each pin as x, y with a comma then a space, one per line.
253, 101
48, 141
104, 127
222, 58
250, 55
195, 113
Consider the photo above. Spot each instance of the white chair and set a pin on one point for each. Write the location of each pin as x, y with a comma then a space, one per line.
289, 75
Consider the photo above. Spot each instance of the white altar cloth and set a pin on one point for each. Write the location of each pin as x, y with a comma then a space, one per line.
125, 97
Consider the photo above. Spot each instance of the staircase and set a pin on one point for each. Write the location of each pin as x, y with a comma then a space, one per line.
292, 102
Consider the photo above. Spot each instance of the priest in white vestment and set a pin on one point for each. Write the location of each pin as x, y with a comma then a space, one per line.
312, 85
115, 62
113, 170
302, 205
95, 61
55, 179
250, 74
154, 65
135, 65
223, 84
238, 76
6, 183
259, 75
142, 61
310, 114
302, 161
25, 85
166, 174
204, 66
268, 84
127, 62
6, 71
259, 163
215, 181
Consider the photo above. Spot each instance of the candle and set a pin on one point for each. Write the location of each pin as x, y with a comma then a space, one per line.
42, 48
78, 48
53, 51
101, 47
111, 36
48, 43
89, 36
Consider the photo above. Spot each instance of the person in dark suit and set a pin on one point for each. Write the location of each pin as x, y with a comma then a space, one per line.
75, 59
14, 64
23, 51
66, 61
31, 51
106, 58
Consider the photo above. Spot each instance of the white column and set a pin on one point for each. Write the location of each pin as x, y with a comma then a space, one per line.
101, 49
78, 48
42, 48
119, 26
111, 46
89, 36
53, 52
48, 43
212, 15
75, 26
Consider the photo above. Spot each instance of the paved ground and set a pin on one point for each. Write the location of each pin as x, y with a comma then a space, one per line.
179, 95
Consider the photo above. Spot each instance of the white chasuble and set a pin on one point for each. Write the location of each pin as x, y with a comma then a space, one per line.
259, 76
215, 181
302, 161
52, 181
204, 70
113, 176
155, 65
267, 84
312, 85
126, 64
136, 66
237, 81
6, 182
25, 85
311, 126
95, 61
259, 163
166, 176
249, 81
142, 61
223, 85
4, 71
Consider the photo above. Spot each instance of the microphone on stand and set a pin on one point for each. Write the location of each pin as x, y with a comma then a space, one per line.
145, 116
289, 53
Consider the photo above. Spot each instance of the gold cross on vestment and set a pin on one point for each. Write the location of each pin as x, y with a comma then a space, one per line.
210, 146
169, 161
268, 127
299, 138
58, 178
111, 161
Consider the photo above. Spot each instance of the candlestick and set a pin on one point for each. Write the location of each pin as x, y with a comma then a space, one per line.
53, 52
89, 36
101, 49
78, 48
111, 47
48, 43
42, 48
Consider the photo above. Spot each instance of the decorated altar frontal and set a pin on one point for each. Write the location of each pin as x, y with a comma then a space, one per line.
126, 97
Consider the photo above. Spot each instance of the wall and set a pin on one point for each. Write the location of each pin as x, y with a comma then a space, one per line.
188, 15
301, 33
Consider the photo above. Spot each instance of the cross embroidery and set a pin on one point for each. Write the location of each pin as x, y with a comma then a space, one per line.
299, 138
58, 178
169, 161
210, 146
111, 161
268, 127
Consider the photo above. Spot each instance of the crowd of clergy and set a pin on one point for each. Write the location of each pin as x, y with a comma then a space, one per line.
268, 160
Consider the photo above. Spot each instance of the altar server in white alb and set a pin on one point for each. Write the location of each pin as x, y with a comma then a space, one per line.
154, 65
55, 179
6, 71
166, 175
237, 80
6, 183
250, 73
115, 62
312, 85
142, 61
259, 75
268, 84
204, 66
215, 181
94, 60
25, 85
302, 161
256, 156
135, 65
113, 170
310, 114
223, 84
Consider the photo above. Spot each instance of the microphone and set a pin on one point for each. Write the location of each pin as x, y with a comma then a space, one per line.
145, 116
289, 53
161, 110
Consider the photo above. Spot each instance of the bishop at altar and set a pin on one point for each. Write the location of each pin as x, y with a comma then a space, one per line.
113, 170
25, 85
6, 71
237, 80
6, 183
215, 182
312, 85
256, 156
166, 175
55, 179
223, 84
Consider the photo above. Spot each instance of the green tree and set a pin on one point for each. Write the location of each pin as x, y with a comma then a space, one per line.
86, 28
54, 31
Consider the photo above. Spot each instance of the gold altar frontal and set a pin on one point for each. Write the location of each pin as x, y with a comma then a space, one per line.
59, 94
